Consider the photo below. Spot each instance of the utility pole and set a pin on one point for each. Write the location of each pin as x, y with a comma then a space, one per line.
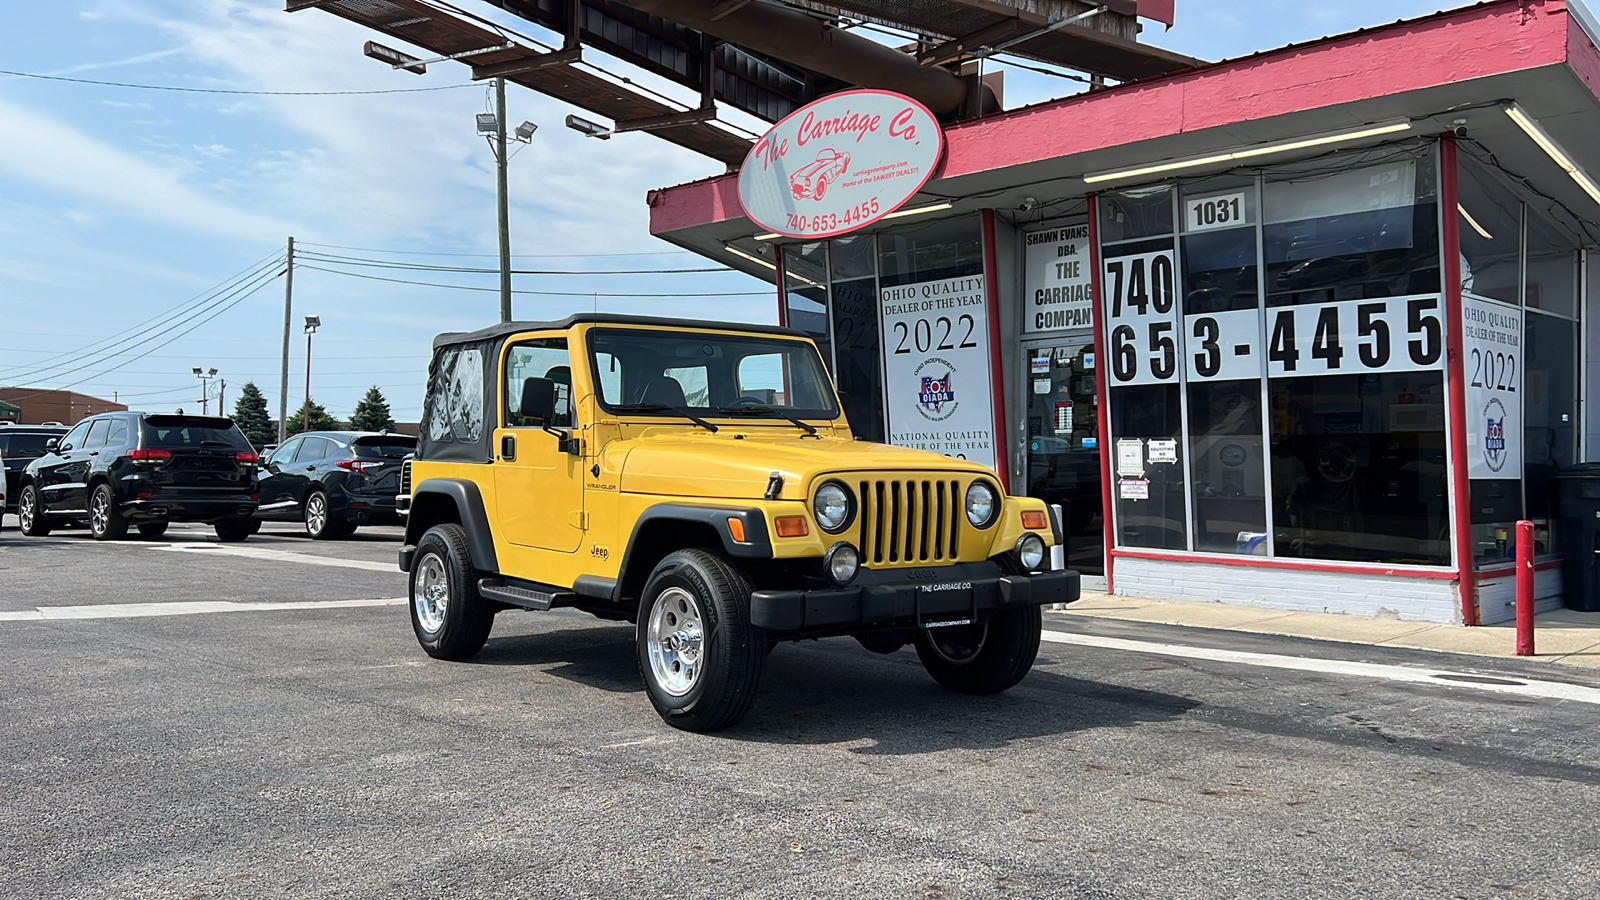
312, 323
283, 378
505, 218
222, 396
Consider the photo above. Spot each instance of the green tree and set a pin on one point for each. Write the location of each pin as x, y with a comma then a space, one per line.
319, 419
372, 413
250, 414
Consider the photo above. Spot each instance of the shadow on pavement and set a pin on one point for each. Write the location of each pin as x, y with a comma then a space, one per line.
834, 692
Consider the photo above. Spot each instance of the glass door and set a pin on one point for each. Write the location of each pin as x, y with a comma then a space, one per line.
1064, 447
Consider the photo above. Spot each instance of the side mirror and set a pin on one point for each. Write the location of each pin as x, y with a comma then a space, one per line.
52, 444
538, 401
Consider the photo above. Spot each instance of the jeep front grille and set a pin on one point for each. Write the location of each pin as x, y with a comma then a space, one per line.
907, 521
405, 477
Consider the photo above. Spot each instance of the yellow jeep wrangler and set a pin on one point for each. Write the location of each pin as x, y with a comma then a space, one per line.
699, 480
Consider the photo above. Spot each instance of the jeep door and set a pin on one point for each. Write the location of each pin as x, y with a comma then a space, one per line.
538, 487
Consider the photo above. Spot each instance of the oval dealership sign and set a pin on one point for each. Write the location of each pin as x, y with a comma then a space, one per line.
840, 164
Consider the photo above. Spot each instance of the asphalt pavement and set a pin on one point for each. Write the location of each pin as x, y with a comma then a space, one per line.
180, 718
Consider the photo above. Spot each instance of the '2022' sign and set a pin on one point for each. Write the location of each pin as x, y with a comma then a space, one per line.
1149, 336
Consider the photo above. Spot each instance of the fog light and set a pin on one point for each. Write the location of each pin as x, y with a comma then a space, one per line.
842, 560
1030, 551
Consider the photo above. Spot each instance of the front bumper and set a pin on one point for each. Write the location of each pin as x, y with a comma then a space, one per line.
950, 595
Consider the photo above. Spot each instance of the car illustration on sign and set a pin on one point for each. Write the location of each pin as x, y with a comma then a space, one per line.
812, 180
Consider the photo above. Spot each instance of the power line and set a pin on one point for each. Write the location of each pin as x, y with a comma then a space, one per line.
127, 340
190, 90
496, 255
463, 287
261, 284
420, 267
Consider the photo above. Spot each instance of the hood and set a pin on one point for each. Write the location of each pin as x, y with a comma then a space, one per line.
738, 465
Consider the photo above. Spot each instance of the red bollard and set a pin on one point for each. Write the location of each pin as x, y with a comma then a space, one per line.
1524, 588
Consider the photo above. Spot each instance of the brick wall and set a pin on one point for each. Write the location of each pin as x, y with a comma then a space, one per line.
66, 407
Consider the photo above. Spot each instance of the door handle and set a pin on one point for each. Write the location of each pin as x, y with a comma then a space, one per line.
508, 446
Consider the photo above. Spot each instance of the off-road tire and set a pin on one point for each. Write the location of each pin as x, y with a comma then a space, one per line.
982, 659
152, 529
232, 531
456, 625
33, 520
731, 652
106, 522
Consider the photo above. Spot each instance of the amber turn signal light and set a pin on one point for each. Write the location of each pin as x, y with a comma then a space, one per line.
736, 528
1034, 519
791, 526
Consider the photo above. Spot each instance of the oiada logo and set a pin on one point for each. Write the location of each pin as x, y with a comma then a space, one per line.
839, 164
936, 398
1494, 435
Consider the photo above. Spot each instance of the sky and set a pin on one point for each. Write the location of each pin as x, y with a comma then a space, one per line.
140, 229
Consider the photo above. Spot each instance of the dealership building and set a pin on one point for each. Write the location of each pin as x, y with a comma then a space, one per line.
1303, 330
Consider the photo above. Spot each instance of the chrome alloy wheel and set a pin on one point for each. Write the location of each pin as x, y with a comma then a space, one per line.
316, 513
100, 512
430, 592
27, 508
958, 644
677, 641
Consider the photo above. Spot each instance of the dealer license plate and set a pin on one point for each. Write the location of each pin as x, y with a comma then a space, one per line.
947, 595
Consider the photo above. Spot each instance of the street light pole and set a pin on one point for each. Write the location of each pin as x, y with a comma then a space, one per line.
500, 182
205, 388
312, 322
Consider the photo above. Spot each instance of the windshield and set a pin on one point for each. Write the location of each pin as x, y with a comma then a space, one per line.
386, 447
192, 431
659, 372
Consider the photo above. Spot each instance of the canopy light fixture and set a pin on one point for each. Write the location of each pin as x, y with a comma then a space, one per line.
918, 211
1249, 152
769, 236
755, 259
1473, 222
1553, 150
588, 129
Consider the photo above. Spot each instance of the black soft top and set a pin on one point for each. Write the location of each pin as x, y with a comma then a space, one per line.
502, 330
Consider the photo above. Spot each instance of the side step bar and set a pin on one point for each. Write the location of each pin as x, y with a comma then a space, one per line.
522, 595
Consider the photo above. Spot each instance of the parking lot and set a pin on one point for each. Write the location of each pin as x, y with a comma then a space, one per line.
180, 718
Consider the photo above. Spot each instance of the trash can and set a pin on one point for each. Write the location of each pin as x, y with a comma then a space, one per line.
1578, 492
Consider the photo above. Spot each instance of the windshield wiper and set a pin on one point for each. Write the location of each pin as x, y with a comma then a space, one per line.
766, 411
662, 407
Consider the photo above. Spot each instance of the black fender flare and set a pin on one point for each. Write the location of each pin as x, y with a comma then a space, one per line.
757, 543
468, 501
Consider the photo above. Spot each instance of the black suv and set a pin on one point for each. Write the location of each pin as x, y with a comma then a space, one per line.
334, 481
143, 469
20, 445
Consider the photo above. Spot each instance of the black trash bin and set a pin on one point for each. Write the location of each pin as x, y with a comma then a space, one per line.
1578, 491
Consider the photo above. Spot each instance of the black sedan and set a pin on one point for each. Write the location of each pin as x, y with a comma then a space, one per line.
334, 481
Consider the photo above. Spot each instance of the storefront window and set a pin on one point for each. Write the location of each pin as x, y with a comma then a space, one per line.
805, 293
1489, 217
949, 248
1222, 322
1353, 228
854, 286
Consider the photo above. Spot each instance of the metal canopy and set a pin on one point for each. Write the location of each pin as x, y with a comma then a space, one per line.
753, 79
446, 34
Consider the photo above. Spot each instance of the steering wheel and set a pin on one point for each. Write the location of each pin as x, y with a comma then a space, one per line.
748, 401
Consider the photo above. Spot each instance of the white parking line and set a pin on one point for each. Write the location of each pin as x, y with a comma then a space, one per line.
1513, 685
182, 608
281, 556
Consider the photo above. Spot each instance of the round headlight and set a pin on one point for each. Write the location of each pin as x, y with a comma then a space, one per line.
981, 505
1030, 551
841, 562
832, 507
